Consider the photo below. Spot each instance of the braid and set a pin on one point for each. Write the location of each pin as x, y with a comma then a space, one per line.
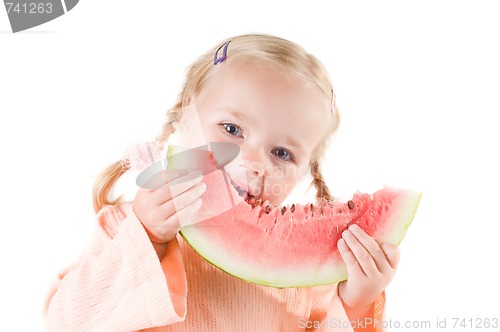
104, 184
322, 190
173, 116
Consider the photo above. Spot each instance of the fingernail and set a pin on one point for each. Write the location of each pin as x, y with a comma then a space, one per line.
341, 244
202, 187
197, 173
354, 227
198, 202
346, 233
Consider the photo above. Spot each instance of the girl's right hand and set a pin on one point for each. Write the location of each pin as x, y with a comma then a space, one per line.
174, 202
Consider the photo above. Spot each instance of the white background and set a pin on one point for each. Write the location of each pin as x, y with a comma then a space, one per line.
418, 88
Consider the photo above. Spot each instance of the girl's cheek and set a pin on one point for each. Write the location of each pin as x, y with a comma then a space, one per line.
214, 133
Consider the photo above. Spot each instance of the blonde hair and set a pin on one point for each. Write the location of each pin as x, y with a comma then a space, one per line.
281, 54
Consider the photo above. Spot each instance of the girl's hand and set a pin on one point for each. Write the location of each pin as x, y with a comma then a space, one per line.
173, 203
370, 266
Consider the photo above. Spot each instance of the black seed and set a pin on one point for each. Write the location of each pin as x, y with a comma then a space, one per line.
292, 208
268, 209
312, 207
283, 210
350, 204
339, 211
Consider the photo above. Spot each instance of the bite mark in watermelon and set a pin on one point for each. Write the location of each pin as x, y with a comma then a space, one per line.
292, 246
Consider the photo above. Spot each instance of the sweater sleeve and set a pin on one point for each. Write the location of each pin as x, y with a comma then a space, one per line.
328, 313
118, 284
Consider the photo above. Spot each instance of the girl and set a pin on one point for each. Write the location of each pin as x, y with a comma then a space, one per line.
276, 102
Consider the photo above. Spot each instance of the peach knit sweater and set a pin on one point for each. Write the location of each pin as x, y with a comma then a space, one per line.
119, 284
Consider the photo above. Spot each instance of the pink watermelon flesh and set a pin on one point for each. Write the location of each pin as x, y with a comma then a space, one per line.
294, 247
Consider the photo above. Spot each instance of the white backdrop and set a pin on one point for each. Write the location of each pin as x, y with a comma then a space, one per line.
418, 88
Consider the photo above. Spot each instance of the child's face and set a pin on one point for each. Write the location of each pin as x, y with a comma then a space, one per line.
276, 123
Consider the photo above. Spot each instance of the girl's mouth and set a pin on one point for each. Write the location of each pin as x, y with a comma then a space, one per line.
243, 193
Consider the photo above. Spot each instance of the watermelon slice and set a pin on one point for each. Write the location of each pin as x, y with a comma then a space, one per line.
291, 246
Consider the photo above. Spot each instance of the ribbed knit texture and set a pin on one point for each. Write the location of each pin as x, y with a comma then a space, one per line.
120, 285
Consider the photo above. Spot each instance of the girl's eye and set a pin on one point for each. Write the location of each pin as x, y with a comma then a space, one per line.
232, 129
283, 154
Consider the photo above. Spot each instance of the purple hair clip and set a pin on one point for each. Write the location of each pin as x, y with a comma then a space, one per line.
220, 59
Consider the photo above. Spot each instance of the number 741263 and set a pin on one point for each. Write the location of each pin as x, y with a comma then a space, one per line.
479, 323
29, 8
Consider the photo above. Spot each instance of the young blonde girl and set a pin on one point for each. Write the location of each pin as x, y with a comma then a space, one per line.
276, 102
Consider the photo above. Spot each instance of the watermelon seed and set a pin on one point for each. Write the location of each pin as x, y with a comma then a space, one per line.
268, 209
283, 210
292, 208
256, 203
337, 228
340, 211
350, 204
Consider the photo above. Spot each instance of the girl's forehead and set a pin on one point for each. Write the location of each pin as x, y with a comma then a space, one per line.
244, 73
242, 65
277, 103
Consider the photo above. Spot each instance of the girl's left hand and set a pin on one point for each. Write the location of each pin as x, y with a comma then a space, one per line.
370, 267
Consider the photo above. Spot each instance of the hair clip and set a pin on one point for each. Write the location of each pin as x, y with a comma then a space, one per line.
224, 53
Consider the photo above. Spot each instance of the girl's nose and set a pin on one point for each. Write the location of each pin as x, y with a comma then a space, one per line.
254, 159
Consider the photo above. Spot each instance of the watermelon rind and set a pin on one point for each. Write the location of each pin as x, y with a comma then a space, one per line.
308, 274
406, 213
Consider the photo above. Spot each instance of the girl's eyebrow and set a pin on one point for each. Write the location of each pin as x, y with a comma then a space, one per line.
293, 142
241, 116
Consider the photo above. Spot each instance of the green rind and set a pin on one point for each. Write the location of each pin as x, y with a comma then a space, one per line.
173, 149
336, 274
333, 275
411, 209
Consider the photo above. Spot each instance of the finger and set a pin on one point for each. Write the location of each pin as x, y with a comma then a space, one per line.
179, 202
351, 263
182, 218
346, 253
169, 190
363, 257
392, 253
163, 177
165, 230
372, 247
187, 215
